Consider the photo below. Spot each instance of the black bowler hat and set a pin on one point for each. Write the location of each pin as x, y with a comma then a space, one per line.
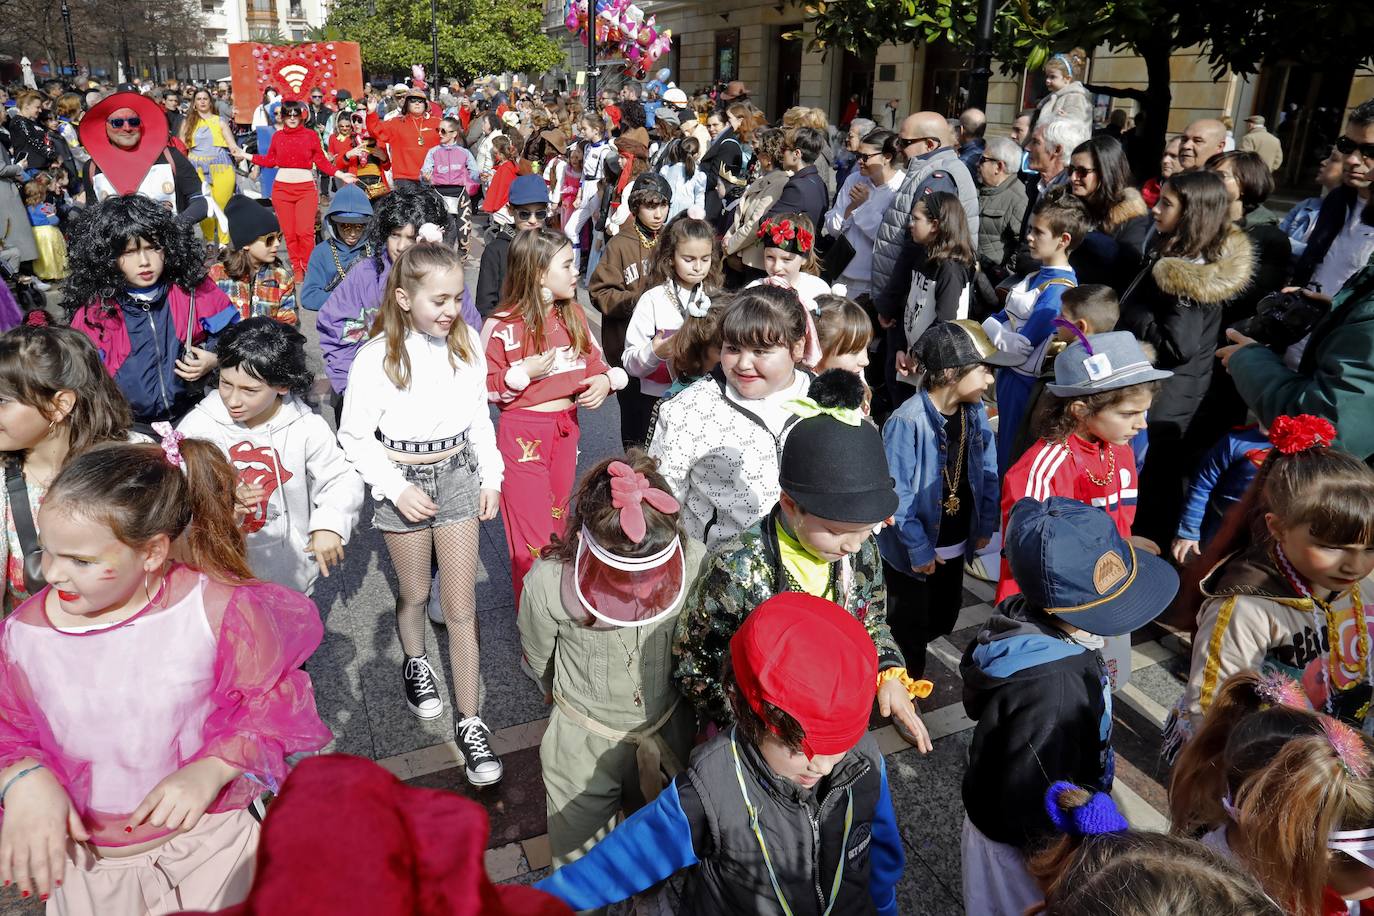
833, 464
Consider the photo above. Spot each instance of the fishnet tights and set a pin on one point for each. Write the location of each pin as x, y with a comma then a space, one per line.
456, 547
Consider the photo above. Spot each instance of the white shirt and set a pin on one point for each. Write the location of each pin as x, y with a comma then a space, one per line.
443, 400
861, 227
656, 311
1348, 253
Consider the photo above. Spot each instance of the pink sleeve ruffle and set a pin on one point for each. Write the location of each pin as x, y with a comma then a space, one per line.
264, 703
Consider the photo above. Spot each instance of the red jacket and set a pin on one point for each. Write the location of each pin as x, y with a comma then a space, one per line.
337, 147
407, 140
295, 148
506, 345
498, 192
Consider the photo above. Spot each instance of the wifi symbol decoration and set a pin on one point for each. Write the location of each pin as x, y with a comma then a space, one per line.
295, 75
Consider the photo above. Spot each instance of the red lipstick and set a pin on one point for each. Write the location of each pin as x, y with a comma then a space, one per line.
67, 596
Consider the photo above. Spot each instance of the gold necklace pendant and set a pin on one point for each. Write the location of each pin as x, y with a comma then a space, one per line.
952, 505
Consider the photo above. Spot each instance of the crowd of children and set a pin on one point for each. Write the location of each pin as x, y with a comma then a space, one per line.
716, 616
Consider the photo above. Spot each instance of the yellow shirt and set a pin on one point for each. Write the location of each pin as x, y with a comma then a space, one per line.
809, 571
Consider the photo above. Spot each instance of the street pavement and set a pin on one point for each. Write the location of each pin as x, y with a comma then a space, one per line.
356, 673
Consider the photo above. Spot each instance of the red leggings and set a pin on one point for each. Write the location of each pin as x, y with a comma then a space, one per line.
540, 451
296, 204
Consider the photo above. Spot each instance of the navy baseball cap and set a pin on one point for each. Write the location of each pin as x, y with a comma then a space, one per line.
528, 189
1070, 561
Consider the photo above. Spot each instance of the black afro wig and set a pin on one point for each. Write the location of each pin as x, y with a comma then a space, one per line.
405, 206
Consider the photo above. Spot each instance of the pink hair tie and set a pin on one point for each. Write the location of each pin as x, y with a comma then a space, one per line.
171, 443
629, 489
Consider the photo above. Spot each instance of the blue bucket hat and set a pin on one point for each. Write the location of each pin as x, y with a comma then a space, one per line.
1070, 561
1102, 362
528, 189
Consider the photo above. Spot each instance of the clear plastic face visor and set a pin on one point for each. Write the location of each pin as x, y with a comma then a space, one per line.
628, 591
1358, 844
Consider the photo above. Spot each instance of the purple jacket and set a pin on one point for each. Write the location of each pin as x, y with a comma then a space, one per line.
345, 322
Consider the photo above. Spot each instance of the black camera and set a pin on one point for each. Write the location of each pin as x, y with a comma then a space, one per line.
1282, 319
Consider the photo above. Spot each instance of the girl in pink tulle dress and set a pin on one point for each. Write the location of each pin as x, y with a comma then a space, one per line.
149, 693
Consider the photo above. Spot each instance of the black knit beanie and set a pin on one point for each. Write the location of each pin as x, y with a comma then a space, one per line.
248, 221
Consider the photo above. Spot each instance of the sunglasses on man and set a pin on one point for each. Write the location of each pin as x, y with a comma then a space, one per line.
117, 123
1345, 146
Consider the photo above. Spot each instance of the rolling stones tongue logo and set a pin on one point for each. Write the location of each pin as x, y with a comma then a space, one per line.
258, 466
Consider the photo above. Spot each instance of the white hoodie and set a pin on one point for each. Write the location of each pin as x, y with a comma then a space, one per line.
310, 483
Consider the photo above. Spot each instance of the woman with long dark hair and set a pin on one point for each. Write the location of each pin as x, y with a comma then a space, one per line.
1100, 176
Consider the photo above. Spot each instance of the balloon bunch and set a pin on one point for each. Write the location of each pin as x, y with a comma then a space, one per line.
622, 24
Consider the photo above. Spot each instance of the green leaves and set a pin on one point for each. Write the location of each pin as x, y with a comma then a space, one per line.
475, 36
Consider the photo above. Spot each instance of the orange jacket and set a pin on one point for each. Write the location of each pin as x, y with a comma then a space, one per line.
407, 140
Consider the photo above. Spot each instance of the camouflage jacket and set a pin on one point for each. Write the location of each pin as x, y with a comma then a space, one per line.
739, 576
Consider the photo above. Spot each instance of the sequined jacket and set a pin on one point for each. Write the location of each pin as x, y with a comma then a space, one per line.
740, 575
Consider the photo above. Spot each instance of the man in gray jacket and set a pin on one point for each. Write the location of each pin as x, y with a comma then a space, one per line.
1001, 206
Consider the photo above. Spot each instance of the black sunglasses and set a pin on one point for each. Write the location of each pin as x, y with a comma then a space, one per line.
120, 122
903, 142
1345, 146
523, 215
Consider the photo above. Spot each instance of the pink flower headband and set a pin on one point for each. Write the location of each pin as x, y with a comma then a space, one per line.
629, 490
171, 443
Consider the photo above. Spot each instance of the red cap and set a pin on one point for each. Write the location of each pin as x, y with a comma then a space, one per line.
812, 660
346, 836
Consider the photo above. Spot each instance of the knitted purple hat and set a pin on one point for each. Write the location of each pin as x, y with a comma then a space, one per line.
1099, 815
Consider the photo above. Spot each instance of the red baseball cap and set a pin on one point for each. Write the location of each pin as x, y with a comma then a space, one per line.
810, 658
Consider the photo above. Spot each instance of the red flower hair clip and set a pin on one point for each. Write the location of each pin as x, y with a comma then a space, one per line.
787, 235
1291, 435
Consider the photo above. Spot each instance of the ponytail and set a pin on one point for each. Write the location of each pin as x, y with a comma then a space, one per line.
137, 491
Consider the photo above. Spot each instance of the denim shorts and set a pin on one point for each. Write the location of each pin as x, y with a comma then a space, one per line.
452, 483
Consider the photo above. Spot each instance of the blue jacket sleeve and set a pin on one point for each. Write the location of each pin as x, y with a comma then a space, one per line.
650, 845
888, 859
899, 441
317, 273
1040, 324
1213, 465
989, 506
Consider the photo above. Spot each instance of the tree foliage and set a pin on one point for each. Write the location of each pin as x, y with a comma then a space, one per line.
100, 29
475, 36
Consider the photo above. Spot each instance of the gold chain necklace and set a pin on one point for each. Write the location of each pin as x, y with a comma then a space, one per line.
1111, 469
645, 240
951, 504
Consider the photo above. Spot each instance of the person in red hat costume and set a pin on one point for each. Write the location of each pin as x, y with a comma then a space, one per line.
409, 136
126, 136
787, 811
295, 152
388, 850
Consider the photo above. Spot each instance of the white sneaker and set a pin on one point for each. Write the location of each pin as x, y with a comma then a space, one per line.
482, 766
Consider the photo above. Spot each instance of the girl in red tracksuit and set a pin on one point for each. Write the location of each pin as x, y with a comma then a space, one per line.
542, 364
294, 151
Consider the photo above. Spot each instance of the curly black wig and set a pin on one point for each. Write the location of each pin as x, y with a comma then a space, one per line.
100, 234
268, 350
405, 206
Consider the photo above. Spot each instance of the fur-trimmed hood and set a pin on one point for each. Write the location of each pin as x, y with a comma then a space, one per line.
1132, 206
1209, 283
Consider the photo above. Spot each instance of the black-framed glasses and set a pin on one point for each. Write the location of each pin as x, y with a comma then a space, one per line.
1080, 171
526, 215
117, 123
866, 157
984, 160
1345, 146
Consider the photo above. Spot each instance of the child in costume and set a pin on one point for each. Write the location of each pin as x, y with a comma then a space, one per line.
1289, 576
1036, 684
1283, 792
1025, 326
249, 271
344, 228
683, 273
542, 365
1222, 478
453, 172
301, 496
818, 539
435, 474
789, 253
611, 588
720, 440
617, 284
943, 457
146, 702
60, 402
787, 809
47, 231
138, 290
1104, 384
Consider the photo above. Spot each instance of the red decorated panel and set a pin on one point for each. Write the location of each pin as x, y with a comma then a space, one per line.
293, 70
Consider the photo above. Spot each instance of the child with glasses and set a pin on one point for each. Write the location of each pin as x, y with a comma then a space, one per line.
250, 271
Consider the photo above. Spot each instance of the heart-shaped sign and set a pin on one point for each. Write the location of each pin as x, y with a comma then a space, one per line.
125, 168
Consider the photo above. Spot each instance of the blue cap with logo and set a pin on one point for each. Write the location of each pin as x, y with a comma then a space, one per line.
1070, 561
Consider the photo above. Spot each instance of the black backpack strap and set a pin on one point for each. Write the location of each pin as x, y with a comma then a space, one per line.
18, 492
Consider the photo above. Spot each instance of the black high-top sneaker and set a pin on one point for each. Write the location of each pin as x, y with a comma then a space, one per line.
421, 695
474, 739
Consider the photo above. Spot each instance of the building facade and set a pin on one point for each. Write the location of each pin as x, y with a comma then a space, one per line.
719, 40
229, 21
